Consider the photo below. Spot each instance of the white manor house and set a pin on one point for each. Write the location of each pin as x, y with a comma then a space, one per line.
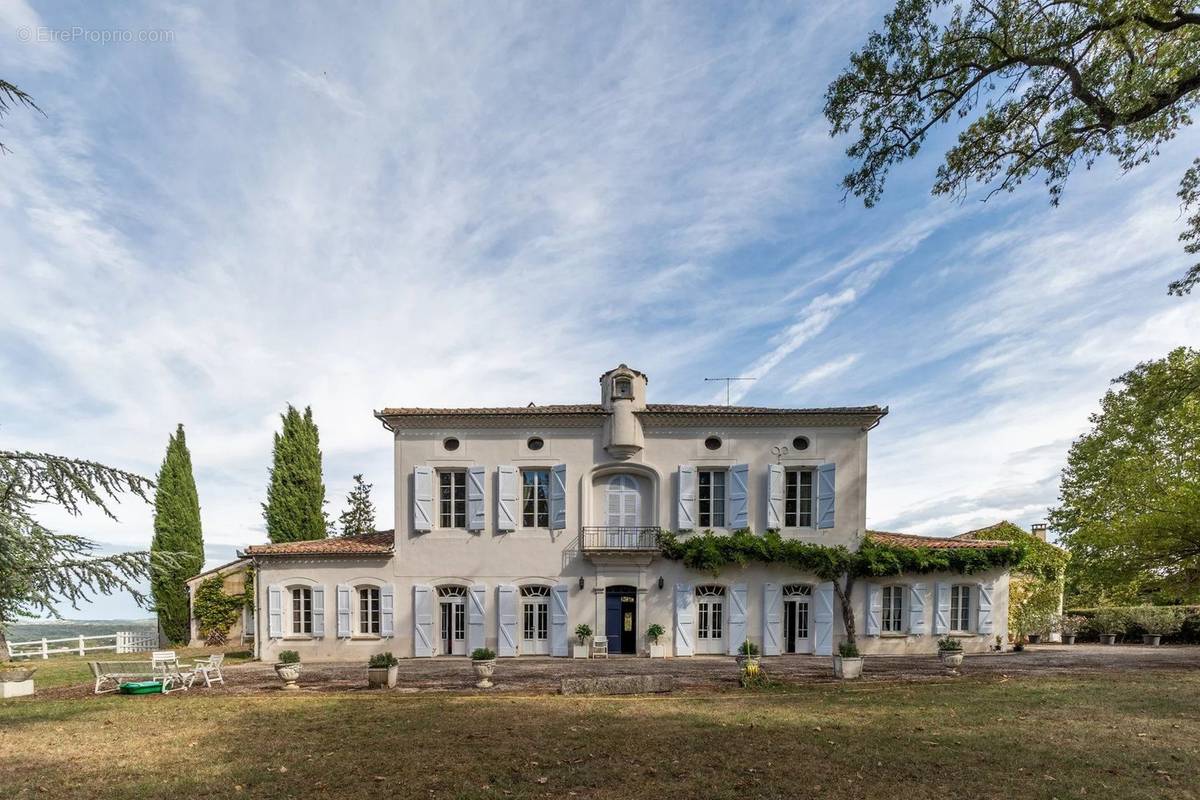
515, 525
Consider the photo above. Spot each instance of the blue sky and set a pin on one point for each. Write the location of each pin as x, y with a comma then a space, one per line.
437, 204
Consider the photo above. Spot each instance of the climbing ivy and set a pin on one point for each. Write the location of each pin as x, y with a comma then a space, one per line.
215, 611
710, 552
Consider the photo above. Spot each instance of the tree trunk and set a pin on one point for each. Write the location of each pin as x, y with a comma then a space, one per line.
3, 645
845, 595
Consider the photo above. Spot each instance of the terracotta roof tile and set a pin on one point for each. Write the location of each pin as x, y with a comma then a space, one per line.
378, 543
933, 542
594, 408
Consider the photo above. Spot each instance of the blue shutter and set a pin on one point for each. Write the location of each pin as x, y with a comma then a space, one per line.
343, 611
318, 612
775, 496
825, 495
558, 497
422, 620
874, 608
686, 497
737, 617
739, 506
772, 619
558, 620
475, 478
275, 611
475, 617
506, 602
984, 620
506, 498
823, 620
916, 610
422, 498
941, 612
387, 611
683, 620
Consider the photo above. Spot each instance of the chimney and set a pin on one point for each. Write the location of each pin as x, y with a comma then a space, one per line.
1038, 529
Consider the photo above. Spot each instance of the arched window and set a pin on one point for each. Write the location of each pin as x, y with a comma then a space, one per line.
301, 610
893, 609
368, 610
960, 609
797, 590
535, 620
710, 619
452, 607
624, 502
452, 591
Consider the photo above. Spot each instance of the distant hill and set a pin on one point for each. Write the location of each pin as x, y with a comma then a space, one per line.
61, 628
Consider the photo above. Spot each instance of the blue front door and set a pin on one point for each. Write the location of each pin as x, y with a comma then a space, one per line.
612, 622
620, 619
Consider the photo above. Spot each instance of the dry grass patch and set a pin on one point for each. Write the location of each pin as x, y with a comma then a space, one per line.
1133, 737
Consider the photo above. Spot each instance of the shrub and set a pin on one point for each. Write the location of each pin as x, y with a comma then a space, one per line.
654, 631
289, 657
482, 654
1110, 620
949, 643
583, 632
753, 676
381, 660
748, 648
848, 650
1189, 633
1070, 624
1158, 620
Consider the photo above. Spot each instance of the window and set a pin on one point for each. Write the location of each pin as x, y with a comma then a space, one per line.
536, 613
452, 504
535, 498
710, 605
535, 443
960, 609
800, 443
622, 387
798, 498
713, 443
893, 609
368, 610
450, 444
712, 498
302, 611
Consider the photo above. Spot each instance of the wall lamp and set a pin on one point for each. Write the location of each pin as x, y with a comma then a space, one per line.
660, 581
581, 583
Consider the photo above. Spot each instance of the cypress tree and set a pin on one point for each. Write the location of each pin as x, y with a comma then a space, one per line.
295, 507
359, 516
176, 531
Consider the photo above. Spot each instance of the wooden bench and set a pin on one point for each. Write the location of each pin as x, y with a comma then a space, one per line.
118, 672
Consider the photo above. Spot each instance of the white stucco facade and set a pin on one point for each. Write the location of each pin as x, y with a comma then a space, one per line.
513, 526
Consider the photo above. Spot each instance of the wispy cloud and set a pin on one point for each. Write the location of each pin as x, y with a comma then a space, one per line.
824, 372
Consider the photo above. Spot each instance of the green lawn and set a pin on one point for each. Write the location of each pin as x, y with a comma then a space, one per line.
1128, 735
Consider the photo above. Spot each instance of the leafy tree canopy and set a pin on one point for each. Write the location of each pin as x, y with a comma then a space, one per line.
1130, 496
10, 98
1039, 88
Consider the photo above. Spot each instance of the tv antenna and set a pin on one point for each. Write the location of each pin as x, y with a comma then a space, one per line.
728, 381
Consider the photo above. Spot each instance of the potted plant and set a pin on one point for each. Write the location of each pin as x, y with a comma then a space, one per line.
652, 633
747, 653
847, 663
16, 680
950, 651
288, 668
1156, 622
382, 670
583, 633
484, 662
1108, 623
1034, 637
1070, 625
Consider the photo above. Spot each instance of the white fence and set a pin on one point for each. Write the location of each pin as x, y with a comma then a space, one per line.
120, 642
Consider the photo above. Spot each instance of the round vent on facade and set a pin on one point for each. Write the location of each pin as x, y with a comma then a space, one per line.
713, 443
450, 443
800, 443
535, 443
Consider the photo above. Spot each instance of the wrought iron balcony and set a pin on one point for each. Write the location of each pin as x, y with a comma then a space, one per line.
620, 539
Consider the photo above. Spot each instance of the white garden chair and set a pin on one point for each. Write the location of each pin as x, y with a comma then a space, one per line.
172, 674
600, 646
210, 669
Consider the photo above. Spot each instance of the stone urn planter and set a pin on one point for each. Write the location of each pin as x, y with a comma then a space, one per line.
1108, 638
16, 681
289, 674
952, 659
1068, 638
847, 668
1035, 638
484, 669
380, 677
1152, 639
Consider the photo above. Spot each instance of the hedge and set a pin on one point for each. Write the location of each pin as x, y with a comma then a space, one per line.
1188, 634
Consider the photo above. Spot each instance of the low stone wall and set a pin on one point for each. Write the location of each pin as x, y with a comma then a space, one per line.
618, 684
